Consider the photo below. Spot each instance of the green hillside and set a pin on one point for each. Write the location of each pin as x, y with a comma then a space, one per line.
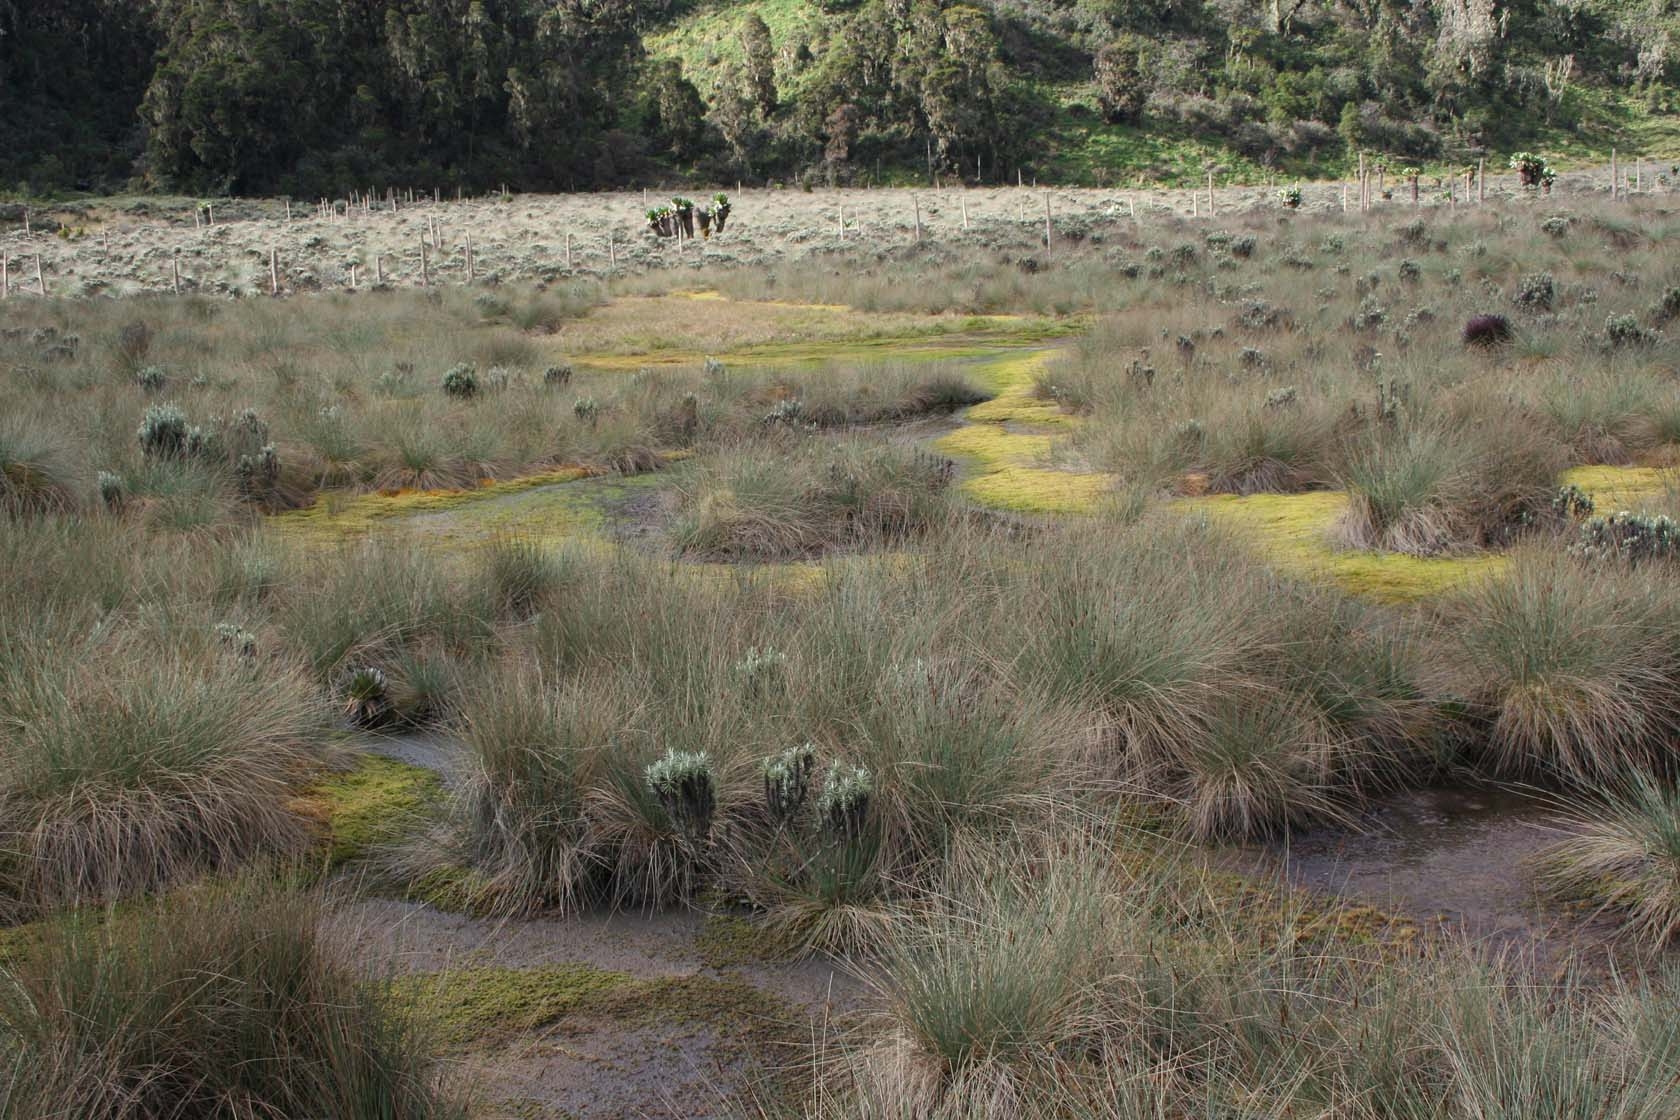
320, 97
1049, 51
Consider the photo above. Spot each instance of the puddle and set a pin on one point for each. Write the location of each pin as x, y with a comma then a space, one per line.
1450, 858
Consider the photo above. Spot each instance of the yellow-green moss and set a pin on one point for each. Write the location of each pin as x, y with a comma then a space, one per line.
728, 940
926, 347
1293, 531
1009, 463
1630, 488
482, 1007
336, 516
1035, 490
370, 804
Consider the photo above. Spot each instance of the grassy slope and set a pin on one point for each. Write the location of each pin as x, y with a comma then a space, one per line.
1085, 149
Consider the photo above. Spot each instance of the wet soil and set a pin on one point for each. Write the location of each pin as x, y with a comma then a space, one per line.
1455, 860
596, 1067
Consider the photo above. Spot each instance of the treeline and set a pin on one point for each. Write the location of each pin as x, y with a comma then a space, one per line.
312, 97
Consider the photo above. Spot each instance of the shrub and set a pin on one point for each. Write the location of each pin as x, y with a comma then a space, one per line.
1629, 537
163, 432
555, 377
1487, 330
113, 491
461, 382
1289, 198
1532, 170
1667, 309
1410, 271
787, 783
683, 782
761, 671
229, 1001
1536, 291
151, 379
586, 410
843, 804
367, 698
1572, 503
1624, 331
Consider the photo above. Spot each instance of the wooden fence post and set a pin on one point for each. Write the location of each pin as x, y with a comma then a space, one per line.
1048, 232
274, 272
5, 275
917, 203
175, 271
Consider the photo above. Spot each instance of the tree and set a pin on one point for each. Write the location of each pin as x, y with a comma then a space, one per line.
736, 116
679, 114
1122, 88
760, 62
841, 132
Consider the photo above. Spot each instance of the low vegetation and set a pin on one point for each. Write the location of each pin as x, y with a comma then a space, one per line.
961, 647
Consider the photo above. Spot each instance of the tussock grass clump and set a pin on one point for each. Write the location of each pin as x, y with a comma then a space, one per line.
1429, 488
365, 602
1407, 493
127, 768
556, 812
38, 473
1261, 765
1487, 330
520, 573
990, 981
230, 1001
1116, 989
1623, 854
536, 751
1570, 671
757, 504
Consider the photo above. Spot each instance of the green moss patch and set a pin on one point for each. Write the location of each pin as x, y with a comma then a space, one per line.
731, 940
475, 1008
1629, 488
1293, 531
370, 804
1009, 452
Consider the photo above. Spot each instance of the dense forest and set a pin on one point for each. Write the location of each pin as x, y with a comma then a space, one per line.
312, 96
